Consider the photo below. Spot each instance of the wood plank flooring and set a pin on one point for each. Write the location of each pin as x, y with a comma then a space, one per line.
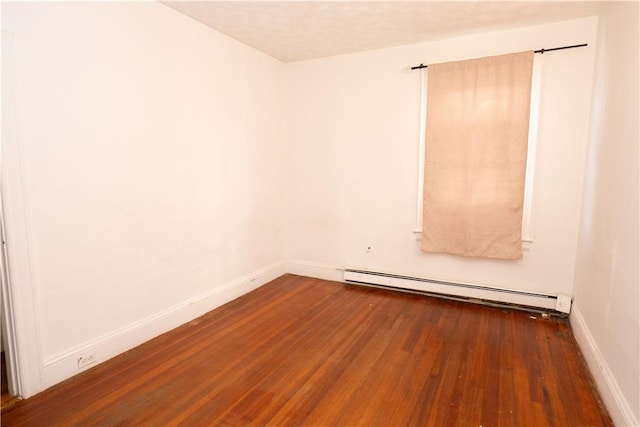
307, 352
7, 399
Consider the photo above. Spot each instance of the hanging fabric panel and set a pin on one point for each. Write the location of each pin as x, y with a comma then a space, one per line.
475, 156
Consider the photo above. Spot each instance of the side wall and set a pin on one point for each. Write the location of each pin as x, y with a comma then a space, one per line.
353, 124
152, 158
606, 316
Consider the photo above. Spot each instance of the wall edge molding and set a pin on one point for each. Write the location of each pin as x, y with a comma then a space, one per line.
21, 310
610, 392
63, 365
315, 270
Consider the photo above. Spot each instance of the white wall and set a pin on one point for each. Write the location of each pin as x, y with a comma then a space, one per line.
353, 153
606, 317
152, 152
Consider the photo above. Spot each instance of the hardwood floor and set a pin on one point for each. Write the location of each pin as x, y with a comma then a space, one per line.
7, 399
307, 352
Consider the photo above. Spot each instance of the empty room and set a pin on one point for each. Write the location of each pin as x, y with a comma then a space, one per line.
320, 213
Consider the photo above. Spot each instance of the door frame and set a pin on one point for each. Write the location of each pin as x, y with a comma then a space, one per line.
20, 302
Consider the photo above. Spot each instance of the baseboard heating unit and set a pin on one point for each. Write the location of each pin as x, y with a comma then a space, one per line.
476, 293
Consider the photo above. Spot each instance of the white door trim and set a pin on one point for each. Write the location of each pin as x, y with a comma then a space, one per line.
24, 349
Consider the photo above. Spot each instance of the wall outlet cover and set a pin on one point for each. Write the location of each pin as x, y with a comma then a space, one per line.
86, 360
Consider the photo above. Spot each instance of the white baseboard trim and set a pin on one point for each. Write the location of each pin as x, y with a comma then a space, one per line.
64, 365
456, 289
614, 400
315, 270
345, 274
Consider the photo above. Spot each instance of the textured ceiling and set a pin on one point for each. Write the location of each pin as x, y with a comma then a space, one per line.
299, 30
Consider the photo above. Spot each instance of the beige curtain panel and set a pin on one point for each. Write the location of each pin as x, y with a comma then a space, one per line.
475, 156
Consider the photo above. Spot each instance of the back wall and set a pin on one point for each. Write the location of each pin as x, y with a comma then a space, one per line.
353, 124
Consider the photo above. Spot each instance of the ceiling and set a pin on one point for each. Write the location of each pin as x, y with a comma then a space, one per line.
299, 30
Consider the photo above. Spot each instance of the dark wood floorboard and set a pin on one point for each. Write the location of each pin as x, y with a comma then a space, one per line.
7, 399
307, 352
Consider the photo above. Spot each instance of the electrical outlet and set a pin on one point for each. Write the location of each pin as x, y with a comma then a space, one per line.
86, 360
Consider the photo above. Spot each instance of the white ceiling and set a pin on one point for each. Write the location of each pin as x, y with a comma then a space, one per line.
299, 30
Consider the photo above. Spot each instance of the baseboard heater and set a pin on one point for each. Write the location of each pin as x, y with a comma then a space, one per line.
561, 303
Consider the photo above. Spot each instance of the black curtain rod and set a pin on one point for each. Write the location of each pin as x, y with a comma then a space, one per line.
417, 67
